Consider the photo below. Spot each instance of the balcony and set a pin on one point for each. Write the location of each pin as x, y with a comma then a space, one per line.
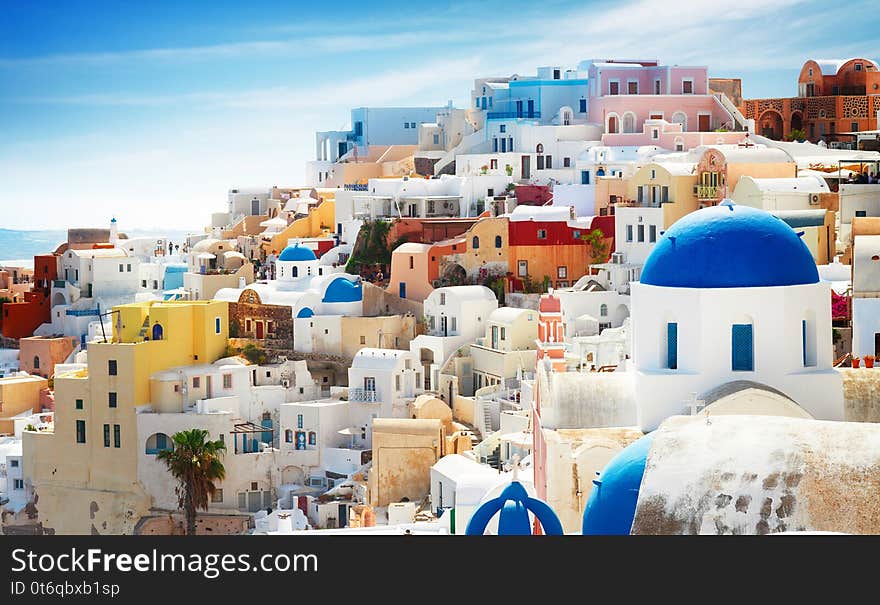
510, 115
707, 192
359, 395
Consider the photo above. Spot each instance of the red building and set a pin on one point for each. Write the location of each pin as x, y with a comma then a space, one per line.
19, 320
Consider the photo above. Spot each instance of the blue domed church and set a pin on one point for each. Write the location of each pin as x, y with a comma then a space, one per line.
731, 295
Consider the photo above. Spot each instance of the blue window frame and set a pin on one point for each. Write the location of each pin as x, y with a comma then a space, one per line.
672, 345
742, 350
583, 106
216, 325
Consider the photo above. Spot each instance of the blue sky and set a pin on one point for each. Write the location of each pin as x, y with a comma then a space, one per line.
151, 111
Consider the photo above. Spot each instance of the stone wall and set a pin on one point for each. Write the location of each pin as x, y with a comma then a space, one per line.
861, 394
174, 524
424, 165
378, 302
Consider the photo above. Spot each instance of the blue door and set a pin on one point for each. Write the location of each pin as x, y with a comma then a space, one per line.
742, 354
672, 346
402, 289
266, 436
585, 177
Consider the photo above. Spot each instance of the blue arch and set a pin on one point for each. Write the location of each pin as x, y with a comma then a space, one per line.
305, 312
514, 505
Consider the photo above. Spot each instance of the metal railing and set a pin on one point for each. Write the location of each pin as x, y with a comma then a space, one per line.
707, 192
509, 115
360, 395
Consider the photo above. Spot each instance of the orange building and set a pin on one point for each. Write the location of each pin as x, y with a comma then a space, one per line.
833, 96
551, 332
38, 354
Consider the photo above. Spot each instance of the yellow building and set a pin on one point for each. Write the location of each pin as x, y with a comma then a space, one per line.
485, 248
667, 185
84, 475
404, 450
319, 222
19, 394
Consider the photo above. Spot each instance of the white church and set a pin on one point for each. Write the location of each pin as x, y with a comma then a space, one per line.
730, 300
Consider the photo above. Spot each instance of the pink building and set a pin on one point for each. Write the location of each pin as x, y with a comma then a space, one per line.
623, 95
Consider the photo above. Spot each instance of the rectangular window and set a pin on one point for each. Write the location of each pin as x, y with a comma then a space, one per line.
120, 268
542, 234
79, 404
128, 268
566, 162
854, 126
502, 128
197, 382
503, 333
453, 322
585, 177
522, 268
111, 396
629, 233
227, 381
613, 88
495, 144
804, 341
117, 435
436, 139
656, 87
861, 213
493, 164
363, 340
443, 298
412, 124
742, 353
18, 483
299, 421
216, 325
397, 382
687, 87
665, 193
652, 233
672, 346
111, 367
13, 463
106, 435
80, 431
562, 272
582, 108
641, 233
217, 496
632, 88
406, 124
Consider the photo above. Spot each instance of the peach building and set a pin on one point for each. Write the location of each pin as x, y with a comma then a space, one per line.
38, 355
19, 394
834, 96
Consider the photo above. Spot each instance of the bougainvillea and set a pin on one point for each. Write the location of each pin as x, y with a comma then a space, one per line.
839, 306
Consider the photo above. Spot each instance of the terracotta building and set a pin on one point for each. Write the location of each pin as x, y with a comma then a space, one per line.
834, 96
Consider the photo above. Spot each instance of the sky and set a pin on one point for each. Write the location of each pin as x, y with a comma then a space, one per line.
151, 111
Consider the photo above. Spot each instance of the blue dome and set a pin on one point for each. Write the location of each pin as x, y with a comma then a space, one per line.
611, 506
729, 246
342, 290
305, 312
297, 253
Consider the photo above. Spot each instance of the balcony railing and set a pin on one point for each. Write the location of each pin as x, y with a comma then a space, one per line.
509, 115
707, 192
356, 187
359, 395
58, 283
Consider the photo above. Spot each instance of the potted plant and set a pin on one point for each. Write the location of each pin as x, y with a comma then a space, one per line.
855, 361
509, 169
869, 361
484, 169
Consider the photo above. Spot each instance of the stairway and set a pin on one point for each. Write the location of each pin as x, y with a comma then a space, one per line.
487, 422
144, 328
494, 459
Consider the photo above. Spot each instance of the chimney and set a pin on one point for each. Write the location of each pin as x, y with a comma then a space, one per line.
285, 523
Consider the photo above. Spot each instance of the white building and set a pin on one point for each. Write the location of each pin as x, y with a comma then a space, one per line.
866, 296
455, 316
731, 295
801, 193
381, 384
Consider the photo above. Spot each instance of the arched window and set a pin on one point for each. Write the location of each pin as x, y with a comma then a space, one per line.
475, 242
600, 172
808, 338
288, 436
158, 442
603, 310
36, 362
497, 241
629, 122
295, 272
158, 332
539, 148
680, 117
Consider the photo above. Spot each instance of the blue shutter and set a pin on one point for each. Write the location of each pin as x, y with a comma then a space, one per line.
804, 339
742, 355
672, 346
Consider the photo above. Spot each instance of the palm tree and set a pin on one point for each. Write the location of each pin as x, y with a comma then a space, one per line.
195, 463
